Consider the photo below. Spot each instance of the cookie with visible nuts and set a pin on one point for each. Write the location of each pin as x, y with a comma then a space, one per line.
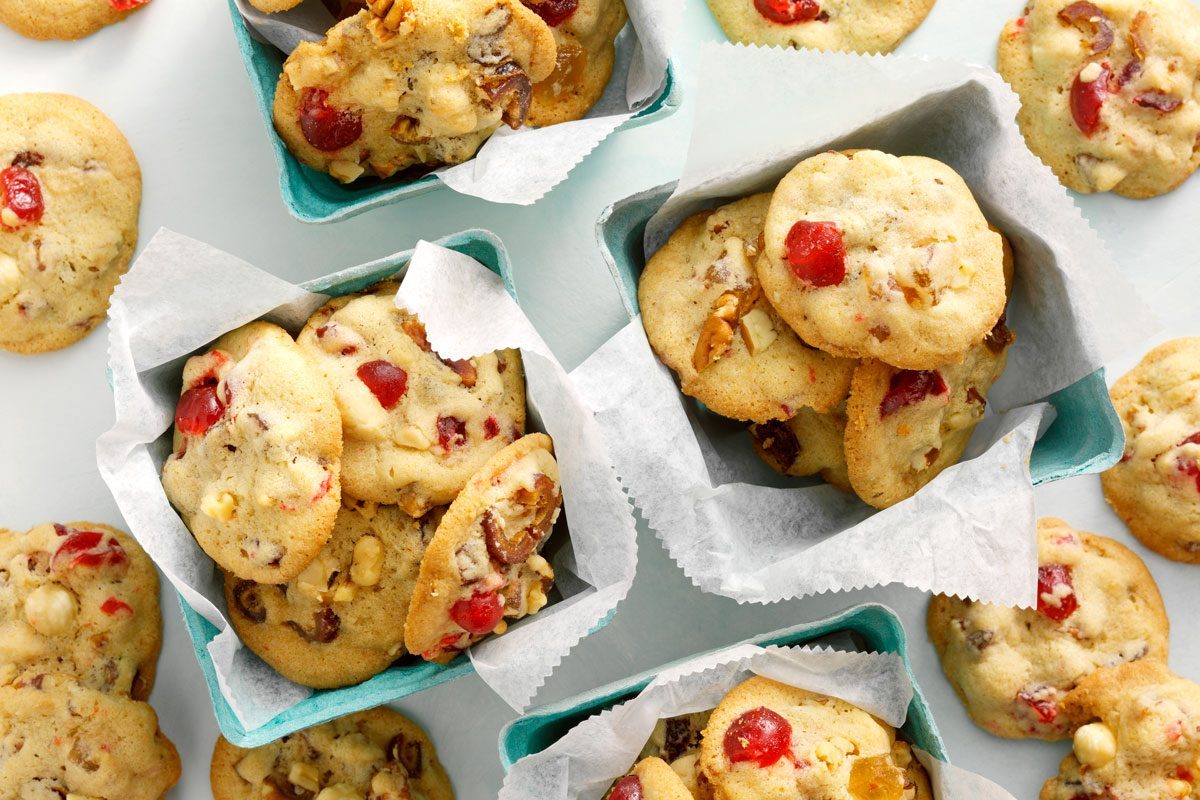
64, 19
676, 741
809, 443
377, 754
255, 468
416, 426
585, 33
70, 189
1156, 486
79, 598
341, 620
862, 26
1110, 92
483, 566
1098, 606
650, 779
706, 319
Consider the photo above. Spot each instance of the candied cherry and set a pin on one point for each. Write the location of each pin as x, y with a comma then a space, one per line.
112, 606
199, 408
910, 386
759, 736
491, 428
452, 432
1050, 577
21, 194
553, 12
816, 253
127, 5
788, 12
627, 788
386, 381
87, 549
1087, 98
326, 128
1045, 709
479, 614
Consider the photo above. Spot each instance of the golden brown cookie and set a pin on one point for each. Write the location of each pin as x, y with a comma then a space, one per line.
863, 26
64, 19
807, 444
585, 32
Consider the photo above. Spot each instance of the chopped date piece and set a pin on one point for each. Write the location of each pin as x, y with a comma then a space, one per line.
509, 88
1129, 73
416, 332
326, 624
28, 158
386, 381
1163, 103
452, 432
777, 439
478, 614
980, 639
88, 549
249, 602
405, 753
553, 12
680, 738
627, 788
505, 549
465, 370
816, 253
199, 408
789, 12
1052, 601
1090, 19
911, 386
1087, 98
20, 198
759, 736
326, 128
999, 337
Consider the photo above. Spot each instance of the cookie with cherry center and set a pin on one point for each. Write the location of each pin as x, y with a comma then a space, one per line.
1110, 92
64, 19
650, 779
862, 26
1013, 668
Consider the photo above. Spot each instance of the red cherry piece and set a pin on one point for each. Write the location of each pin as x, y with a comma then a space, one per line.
911, 386
1050, 578
385, 380
759, 736
452, 432
199, 409
788, 12
325, 486
479, 614
1046, 710
326, 128
491, 428
1087, 98
21, 193
816, 253
627, 788
553, 12
127, 5
87, 549
112, 606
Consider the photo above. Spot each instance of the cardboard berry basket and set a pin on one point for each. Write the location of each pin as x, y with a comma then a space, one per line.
593, 546
313, 196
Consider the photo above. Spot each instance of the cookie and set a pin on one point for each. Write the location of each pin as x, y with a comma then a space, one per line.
809, 443
1156, 486
61, 739
1110, 92
861, 26
705, 317
257, 446
340, 621
1137, 737
378, 754
424, 84
1098, 606
870, 255
79, 598
275, 6
70, 189
64, 19
416, 427
650, 779
676, 741
585, 33
768, 739
483, 566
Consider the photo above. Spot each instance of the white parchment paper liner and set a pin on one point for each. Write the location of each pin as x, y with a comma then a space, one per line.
520, 167
584, 763
181, 294
971, 532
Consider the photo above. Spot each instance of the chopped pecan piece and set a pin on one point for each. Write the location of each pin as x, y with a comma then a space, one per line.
1137, 42
390, 12
716, 335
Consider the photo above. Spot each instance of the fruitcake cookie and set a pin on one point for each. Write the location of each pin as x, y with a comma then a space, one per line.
416, 426
706, 319
64, 19
340, 621
424, 83
585, 32
70, 189
1137, 737
79, 598
870, 255
483, 564
650, 779
1097, 607
768, 739
60, 739
677, 742
807, 444
1110, 92
257, 444
276, 6
1156, 486
863, 26
377, 754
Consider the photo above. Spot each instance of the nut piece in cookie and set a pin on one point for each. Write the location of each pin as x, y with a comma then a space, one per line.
70, 189
869, 255
863, 26
1137, 735
1156, 486
258, 441
416, 426
677, 742
377, 754
769, 739
423, 85
340, 621
650, 779
585, 32
707, 320
80, 598
809, 443
62, 739
483, 566
64, 19
1098, 606
1110, 91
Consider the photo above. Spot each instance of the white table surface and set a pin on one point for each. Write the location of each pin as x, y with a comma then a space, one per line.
172, 79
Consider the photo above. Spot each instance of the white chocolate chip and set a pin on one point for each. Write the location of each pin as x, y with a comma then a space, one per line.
367, 567
1100, 174
1095, 745
314, 580
9, 218
757, 331
306, 776
339, 791
220, 507
830, 755
50, 610
346, 171
1090, 72
345, 592
10, 277
411, 436
735, 260
256, 765
355, 748
1178, 788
